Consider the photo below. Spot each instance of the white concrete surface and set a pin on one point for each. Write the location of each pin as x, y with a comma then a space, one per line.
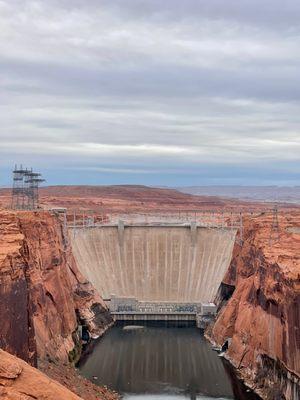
155, 263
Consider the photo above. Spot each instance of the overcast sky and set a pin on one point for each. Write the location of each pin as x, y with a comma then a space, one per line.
173, 92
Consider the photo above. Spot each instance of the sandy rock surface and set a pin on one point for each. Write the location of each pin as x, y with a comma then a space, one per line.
41, 289
20, 381
262, 318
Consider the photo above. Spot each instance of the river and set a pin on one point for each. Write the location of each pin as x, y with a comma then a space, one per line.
157, 362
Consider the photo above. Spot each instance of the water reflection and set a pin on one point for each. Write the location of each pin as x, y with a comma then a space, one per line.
158, 360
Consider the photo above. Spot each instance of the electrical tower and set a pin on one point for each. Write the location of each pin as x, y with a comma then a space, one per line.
25, 193
32, 181
18, 192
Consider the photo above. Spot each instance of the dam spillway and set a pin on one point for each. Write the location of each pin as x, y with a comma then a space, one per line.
165, 263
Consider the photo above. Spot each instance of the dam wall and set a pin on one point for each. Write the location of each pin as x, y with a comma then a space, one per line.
154, 263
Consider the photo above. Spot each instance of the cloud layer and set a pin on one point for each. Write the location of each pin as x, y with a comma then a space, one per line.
145, 91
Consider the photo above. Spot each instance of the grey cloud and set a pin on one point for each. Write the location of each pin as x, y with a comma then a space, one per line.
220, 81
268, 12
159, 80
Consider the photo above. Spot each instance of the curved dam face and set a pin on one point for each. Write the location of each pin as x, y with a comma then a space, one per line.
154, 263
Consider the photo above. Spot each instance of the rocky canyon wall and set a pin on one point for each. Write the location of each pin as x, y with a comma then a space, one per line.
18, 380
259, 300
43, 295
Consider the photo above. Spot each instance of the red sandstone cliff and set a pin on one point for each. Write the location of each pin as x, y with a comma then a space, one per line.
261, 320
20, 381
43, 295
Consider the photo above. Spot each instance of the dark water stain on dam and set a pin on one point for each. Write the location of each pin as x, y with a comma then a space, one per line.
157, 362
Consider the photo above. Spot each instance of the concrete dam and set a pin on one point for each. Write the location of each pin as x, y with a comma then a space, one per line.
154, 263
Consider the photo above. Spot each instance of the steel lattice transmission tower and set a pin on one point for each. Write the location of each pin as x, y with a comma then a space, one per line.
32, 182
18, 190
25, 193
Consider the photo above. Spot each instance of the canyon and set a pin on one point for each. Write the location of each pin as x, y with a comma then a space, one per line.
43, 289
44, 297
51, 282
259, 308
